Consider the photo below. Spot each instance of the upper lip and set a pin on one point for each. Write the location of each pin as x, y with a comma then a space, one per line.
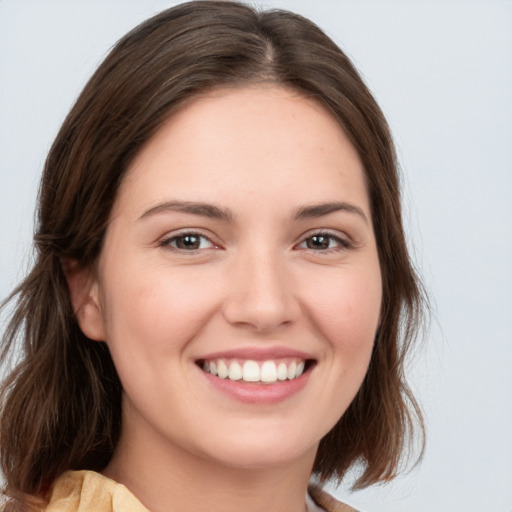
258, 353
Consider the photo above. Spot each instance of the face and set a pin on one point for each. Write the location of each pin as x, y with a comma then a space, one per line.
239, 287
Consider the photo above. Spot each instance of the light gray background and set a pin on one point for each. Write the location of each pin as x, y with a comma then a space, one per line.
442, 72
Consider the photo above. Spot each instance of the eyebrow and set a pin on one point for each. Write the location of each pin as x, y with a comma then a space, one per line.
224, 214
190, 207
321, 209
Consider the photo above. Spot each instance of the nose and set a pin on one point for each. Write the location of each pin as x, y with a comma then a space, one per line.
261, 294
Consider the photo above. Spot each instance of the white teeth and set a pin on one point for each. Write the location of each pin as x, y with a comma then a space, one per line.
282, 371
235, 371
222, 369
291, 370
268, 371
253, 371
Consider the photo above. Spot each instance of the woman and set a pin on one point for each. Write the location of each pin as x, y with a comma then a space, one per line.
222, 299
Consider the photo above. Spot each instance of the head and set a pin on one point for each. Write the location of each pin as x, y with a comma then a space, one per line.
169, 63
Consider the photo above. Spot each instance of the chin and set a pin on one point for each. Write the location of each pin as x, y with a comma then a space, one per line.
258, 450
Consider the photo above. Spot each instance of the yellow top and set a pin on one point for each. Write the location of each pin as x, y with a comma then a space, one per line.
87, 491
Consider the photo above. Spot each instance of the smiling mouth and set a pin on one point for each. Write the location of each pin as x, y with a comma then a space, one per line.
251, 371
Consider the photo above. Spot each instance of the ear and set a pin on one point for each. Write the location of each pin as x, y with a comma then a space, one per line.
84, 294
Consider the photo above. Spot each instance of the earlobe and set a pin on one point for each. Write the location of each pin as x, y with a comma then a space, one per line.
84, 294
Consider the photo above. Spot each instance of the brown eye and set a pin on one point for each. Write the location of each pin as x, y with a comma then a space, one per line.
188, 242
318, 242
325, 242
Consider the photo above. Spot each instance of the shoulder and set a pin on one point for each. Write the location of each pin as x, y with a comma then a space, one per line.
327, 502
88, 491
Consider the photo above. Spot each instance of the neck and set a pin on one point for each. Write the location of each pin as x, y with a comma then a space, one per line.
167, 478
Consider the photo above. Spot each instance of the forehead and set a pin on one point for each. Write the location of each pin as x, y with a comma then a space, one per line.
248, 140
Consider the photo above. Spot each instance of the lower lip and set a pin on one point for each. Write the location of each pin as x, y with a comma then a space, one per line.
252, 393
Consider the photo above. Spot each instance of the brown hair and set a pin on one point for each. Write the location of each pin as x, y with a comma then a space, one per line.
61, 405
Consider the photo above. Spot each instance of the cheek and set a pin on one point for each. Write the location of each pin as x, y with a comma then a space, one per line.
155, 312
347, 311
344, 311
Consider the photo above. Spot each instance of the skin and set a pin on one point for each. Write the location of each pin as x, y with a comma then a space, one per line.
256, 280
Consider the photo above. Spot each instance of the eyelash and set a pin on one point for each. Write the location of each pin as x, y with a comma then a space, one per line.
342, 244
167, 242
